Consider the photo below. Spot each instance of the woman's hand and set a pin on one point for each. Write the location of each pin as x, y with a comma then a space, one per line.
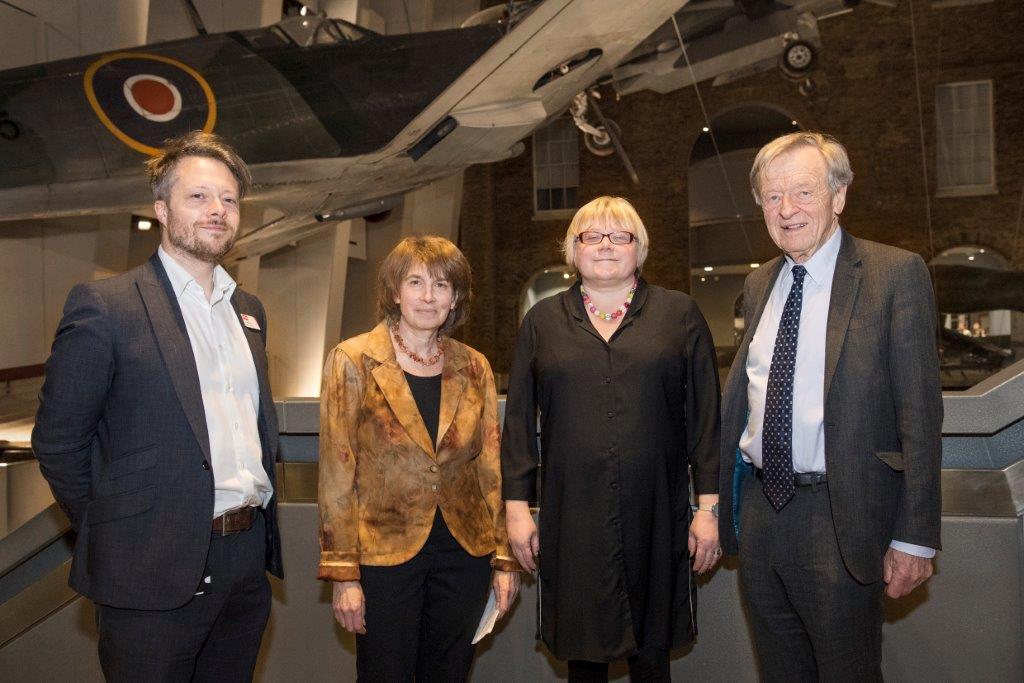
703, 541
522, 533
506, 587
349, 606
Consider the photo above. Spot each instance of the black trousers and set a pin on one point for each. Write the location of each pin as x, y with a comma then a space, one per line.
215, 636
421, 615
650, 665
811, 620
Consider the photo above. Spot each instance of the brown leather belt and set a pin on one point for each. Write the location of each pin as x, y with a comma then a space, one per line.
234, 521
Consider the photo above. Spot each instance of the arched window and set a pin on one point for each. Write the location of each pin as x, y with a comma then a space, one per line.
544, 283
727, 238
976, 335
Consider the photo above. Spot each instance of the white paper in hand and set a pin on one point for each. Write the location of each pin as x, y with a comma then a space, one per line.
489, 618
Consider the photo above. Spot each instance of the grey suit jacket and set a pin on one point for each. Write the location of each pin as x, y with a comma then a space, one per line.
883, 403
121, 437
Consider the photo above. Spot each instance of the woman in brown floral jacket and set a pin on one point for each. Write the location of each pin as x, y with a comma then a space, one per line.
411, 517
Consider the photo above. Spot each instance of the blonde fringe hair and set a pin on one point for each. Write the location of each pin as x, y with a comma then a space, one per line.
606, 214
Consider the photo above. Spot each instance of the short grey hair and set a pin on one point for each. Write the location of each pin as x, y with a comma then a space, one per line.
838, 161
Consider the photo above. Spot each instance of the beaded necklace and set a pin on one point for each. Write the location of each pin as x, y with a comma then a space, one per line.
621, 311
412, 354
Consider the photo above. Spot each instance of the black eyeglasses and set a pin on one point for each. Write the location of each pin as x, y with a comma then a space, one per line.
618, 237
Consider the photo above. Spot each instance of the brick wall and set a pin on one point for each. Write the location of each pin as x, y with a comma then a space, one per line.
865, 96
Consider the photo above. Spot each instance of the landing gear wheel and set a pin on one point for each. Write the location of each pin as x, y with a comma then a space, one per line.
798, 58
601, 145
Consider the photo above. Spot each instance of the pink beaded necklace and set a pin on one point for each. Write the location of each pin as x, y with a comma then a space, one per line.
621, 311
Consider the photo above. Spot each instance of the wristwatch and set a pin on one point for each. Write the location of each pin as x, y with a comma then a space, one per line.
713, 509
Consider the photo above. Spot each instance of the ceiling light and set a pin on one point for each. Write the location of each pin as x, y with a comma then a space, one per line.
303, 11
703, 279
755, 265
793, 122
565, 276
708, 269
981, 251
144, 224
970, 258
705, 129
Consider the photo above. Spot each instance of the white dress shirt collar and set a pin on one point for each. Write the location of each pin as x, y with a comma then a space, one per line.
822, 263
182, 280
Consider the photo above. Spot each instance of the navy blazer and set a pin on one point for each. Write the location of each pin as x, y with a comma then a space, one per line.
121, 437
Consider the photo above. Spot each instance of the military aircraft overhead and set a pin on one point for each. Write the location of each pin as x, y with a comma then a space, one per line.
731, 39
336, 121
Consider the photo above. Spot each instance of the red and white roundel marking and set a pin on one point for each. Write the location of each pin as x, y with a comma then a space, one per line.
153, 97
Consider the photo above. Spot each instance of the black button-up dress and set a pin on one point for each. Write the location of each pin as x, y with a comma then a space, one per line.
620, 421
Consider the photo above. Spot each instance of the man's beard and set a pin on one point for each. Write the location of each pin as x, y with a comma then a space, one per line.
186, 238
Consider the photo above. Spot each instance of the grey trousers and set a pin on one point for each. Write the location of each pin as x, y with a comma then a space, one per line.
811, 620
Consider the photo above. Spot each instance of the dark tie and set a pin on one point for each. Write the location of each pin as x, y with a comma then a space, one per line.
777, 438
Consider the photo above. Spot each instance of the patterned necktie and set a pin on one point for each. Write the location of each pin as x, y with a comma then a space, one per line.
777, 435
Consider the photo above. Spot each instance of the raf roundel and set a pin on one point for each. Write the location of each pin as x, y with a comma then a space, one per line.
153, 97
144, 99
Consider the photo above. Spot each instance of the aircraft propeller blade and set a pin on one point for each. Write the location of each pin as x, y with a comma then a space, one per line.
614, 137
193, 15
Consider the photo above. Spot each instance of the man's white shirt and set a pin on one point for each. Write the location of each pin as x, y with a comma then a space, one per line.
809, 374
229, 386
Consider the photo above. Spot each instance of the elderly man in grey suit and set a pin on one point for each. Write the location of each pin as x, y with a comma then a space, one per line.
157, 433
831, 426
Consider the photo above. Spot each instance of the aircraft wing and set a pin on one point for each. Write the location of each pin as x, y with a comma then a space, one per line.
725, 40
560, 48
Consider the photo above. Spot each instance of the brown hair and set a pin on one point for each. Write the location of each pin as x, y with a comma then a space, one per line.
194, 144
442, 259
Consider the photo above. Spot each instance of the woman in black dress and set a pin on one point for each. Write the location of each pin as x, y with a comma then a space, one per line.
624, 377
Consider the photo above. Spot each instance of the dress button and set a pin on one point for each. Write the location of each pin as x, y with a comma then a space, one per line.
614, 485
206, 465
610, 414
433, 468
607, 380
433, 487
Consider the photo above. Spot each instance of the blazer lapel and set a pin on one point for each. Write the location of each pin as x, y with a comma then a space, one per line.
390, 378
453, 384
845, 284
259, 353
175, 347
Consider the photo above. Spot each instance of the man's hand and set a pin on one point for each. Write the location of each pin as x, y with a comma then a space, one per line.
522, 533
904, 572
349, 606
506, 587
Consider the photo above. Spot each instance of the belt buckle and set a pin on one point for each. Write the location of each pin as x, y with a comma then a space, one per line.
224, 523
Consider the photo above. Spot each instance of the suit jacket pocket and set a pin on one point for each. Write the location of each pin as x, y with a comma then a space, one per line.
868, 319
893, 459
133, 461
120, 506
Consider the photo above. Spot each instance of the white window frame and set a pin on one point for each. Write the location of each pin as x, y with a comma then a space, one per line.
941, 139
570, 160
942, 4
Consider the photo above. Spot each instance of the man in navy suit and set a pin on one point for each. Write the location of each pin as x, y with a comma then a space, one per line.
157, 433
